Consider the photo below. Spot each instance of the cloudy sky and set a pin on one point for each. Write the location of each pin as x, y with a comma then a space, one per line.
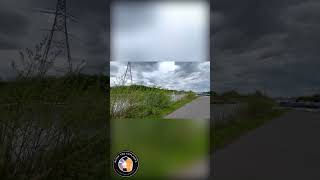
194, 76
268, 45
160, 31
22, 27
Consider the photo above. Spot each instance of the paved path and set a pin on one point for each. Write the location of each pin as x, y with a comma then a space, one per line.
197, 109
286, 148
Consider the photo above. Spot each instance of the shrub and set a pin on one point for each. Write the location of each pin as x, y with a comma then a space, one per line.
50, 128
138, 101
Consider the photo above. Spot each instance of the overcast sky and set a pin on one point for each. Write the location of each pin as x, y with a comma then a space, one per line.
194, 76
269, 45
160, 31
22, 27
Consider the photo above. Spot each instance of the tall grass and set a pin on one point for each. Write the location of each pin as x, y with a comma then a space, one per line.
140, 101
54, 128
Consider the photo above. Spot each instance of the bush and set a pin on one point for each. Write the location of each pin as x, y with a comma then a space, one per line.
157, 100
138, 101
50, 127
148, 104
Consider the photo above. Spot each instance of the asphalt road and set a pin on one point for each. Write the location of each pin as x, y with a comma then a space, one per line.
197, 109
286, 148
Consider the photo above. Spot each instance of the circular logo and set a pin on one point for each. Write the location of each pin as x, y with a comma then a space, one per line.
126, 164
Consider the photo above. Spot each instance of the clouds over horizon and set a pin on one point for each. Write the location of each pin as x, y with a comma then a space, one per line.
194, 76
266, 45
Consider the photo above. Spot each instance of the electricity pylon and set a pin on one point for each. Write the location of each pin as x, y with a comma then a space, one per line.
127, 74
57, 45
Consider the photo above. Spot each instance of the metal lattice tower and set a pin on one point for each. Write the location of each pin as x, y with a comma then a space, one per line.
58, 39
127, 74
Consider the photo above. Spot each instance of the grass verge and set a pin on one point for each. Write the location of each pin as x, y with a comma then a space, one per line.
161, 145
259, 110
225, 134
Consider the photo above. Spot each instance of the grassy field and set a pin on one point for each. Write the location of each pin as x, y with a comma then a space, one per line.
54, 128
259, 110
162, 145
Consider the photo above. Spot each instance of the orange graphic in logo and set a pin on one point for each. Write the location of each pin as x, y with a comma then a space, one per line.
125, 164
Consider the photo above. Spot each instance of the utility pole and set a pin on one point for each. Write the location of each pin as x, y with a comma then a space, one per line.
127, 74
57, 44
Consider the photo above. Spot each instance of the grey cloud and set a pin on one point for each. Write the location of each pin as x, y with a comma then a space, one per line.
13, 27
6, 44
145, 66
113, 69
132, 16
267, 45
12, 24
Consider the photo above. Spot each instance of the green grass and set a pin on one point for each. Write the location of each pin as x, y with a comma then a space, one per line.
59, 108
225, 134
161, 145
259, 110
142, 101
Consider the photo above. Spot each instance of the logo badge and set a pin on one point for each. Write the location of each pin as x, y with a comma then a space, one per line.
126, 164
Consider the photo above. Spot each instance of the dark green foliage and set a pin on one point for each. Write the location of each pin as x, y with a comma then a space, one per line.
54, 128
158, 100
